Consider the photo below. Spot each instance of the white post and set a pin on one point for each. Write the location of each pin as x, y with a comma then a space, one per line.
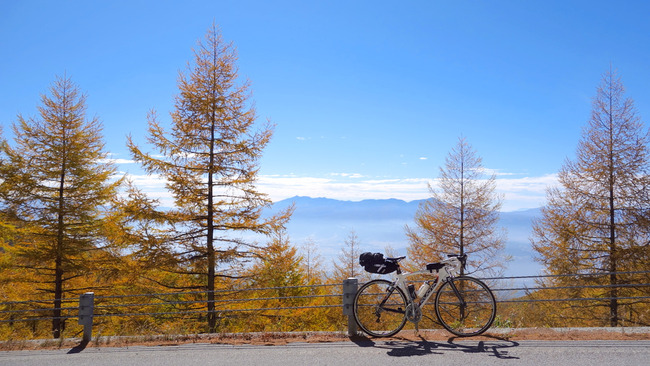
86, 309
350, 287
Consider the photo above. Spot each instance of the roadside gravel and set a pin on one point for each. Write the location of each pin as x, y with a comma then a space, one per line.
271, 339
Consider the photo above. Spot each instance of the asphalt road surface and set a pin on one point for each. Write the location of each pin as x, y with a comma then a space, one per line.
367, 352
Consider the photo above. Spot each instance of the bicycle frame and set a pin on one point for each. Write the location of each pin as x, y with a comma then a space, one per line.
442, 275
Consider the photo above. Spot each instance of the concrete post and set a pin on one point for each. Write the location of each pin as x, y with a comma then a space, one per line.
86, 310
350, 287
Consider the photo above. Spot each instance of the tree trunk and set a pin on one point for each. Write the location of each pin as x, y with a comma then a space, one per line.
212, 316
57, 324
613, 257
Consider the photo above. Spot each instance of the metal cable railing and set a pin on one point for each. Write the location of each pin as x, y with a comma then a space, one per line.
280, 299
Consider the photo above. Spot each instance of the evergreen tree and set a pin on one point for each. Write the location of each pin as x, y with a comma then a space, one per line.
596, 221
461, 217
209, 161
53, 188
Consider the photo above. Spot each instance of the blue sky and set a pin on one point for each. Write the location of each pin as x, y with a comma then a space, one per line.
368, 97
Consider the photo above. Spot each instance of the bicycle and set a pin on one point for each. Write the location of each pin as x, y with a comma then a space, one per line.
464, 305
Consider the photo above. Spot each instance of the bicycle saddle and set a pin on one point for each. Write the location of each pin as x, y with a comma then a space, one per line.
396, 259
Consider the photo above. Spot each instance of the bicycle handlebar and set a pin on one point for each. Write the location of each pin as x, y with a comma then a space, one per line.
461, 258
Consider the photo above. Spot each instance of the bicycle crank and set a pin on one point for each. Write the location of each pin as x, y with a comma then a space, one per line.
413, 313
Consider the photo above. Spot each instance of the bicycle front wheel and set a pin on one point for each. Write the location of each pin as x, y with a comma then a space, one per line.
465, 306
380, 308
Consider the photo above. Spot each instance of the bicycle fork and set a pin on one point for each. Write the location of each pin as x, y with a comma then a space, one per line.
463, 304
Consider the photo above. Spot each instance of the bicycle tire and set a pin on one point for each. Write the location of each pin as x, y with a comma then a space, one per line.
380, 308
471, 317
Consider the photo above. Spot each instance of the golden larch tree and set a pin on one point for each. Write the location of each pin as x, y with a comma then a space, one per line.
209, 161
346, 264
53, 188
461, 217
312, 263
597, 219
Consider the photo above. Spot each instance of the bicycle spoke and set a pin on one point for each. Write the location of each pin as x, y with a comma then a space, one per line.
467, 310
379, 309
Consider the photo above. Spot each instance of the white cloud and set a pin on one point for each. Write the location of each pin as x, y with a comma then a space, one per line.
497, 172
532, 185
339, 186
112, 158
347, 175
117, 161
154, 186
525, 192
518, 193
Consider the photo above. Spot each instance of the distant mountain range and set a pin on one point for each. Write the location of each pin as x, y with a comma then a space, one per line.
380, 223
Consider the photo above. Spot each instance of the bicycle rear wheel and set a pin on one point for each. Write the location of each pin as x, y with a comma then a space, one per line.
468, 310
380, 308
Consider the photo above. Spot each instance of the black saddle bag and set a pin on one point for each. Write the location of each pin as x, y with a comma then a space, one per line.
376, 263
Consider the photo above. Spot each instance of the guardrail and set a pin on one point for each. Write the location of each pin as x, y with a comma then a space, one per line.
269, 302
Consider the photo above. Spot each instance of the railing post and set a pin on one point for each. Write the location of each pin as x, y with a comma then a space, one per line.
86, 310
350, 287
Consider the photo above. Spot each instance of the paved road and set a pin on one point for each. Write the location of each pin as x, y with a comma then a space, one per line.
497, 352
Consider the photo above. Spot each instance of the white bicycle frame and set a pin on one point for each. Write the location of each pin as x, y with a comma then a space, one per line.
450, 269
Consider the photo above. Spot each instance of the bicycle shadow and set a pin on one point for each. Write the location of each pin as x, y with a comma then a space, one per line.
408, 348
